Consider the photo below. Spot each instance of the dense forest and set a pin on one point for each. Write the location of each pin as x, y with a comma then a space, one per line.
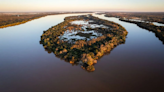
83, 52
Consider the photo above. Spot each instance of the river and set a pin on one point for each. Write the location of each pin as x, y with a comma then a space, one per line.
25, 66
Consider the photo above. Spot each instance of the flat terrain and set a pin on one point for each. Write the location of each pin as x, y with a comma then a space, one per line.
11, 19
146, 16
135, 66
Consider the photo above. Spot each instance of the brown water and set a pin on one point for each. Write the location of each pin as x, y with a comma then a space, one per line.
136, 66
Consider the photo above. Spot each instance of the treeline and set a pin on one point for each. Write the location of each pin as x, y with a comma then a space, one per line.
150, 17
7, 20
83, 52
158, 30
10, 20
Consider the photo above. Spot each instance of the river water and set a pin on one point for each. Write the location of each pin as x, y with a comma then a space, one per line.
25, 66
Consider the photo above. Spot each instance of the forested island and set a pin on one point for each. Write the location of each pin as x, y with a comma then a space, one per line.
143, 20
12, 19
82, 40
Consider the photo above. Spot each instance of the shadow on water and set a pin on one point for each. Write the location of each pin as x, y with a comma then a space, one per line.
157, 30
80, 63
158, 35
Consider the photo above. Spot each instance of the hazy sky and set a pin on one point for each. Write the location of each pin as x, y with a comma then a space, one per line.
81, 5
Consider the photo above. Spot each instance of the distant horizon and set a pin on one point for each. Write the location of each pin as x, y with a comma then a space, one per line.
85, 5
79, 11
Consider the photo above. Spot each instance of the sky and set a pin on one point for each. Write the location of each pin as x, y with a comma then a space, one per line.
81, 5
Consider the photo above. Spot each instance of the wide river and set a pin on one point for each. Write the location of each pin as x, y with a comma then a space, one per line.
25, 66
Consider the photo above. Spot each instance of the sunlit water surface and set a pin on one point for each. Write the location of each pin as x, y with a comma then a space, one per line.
136, 66
155, 23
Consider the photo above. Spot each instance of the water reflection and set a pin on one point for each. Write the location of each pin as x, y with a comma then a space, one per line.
136, 66
82, 42
158, 24
83, 33
73, 35
160, 36
84, 66
140, 20
154, 27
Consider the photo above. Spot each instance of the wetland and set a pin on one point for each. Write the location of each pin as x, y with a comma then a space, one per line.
133, 66
73, 39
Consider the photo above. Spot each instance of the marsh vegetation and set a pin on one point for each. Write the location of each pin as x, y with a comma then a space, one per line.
69, 39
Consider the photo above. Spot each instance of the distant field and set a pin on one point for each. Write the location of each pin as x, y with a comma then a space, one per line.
11, 19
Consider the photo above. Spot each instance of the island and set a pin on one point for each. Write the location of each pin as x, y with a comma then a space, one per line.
82, 40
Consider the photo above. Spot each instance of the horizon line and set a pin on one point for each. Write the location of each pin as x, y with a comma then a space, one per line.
74, 11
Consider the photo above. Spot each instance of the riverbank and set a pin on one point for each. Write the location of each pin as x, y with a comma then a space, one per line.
158, 30
12, 19
24, 61
145, 16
